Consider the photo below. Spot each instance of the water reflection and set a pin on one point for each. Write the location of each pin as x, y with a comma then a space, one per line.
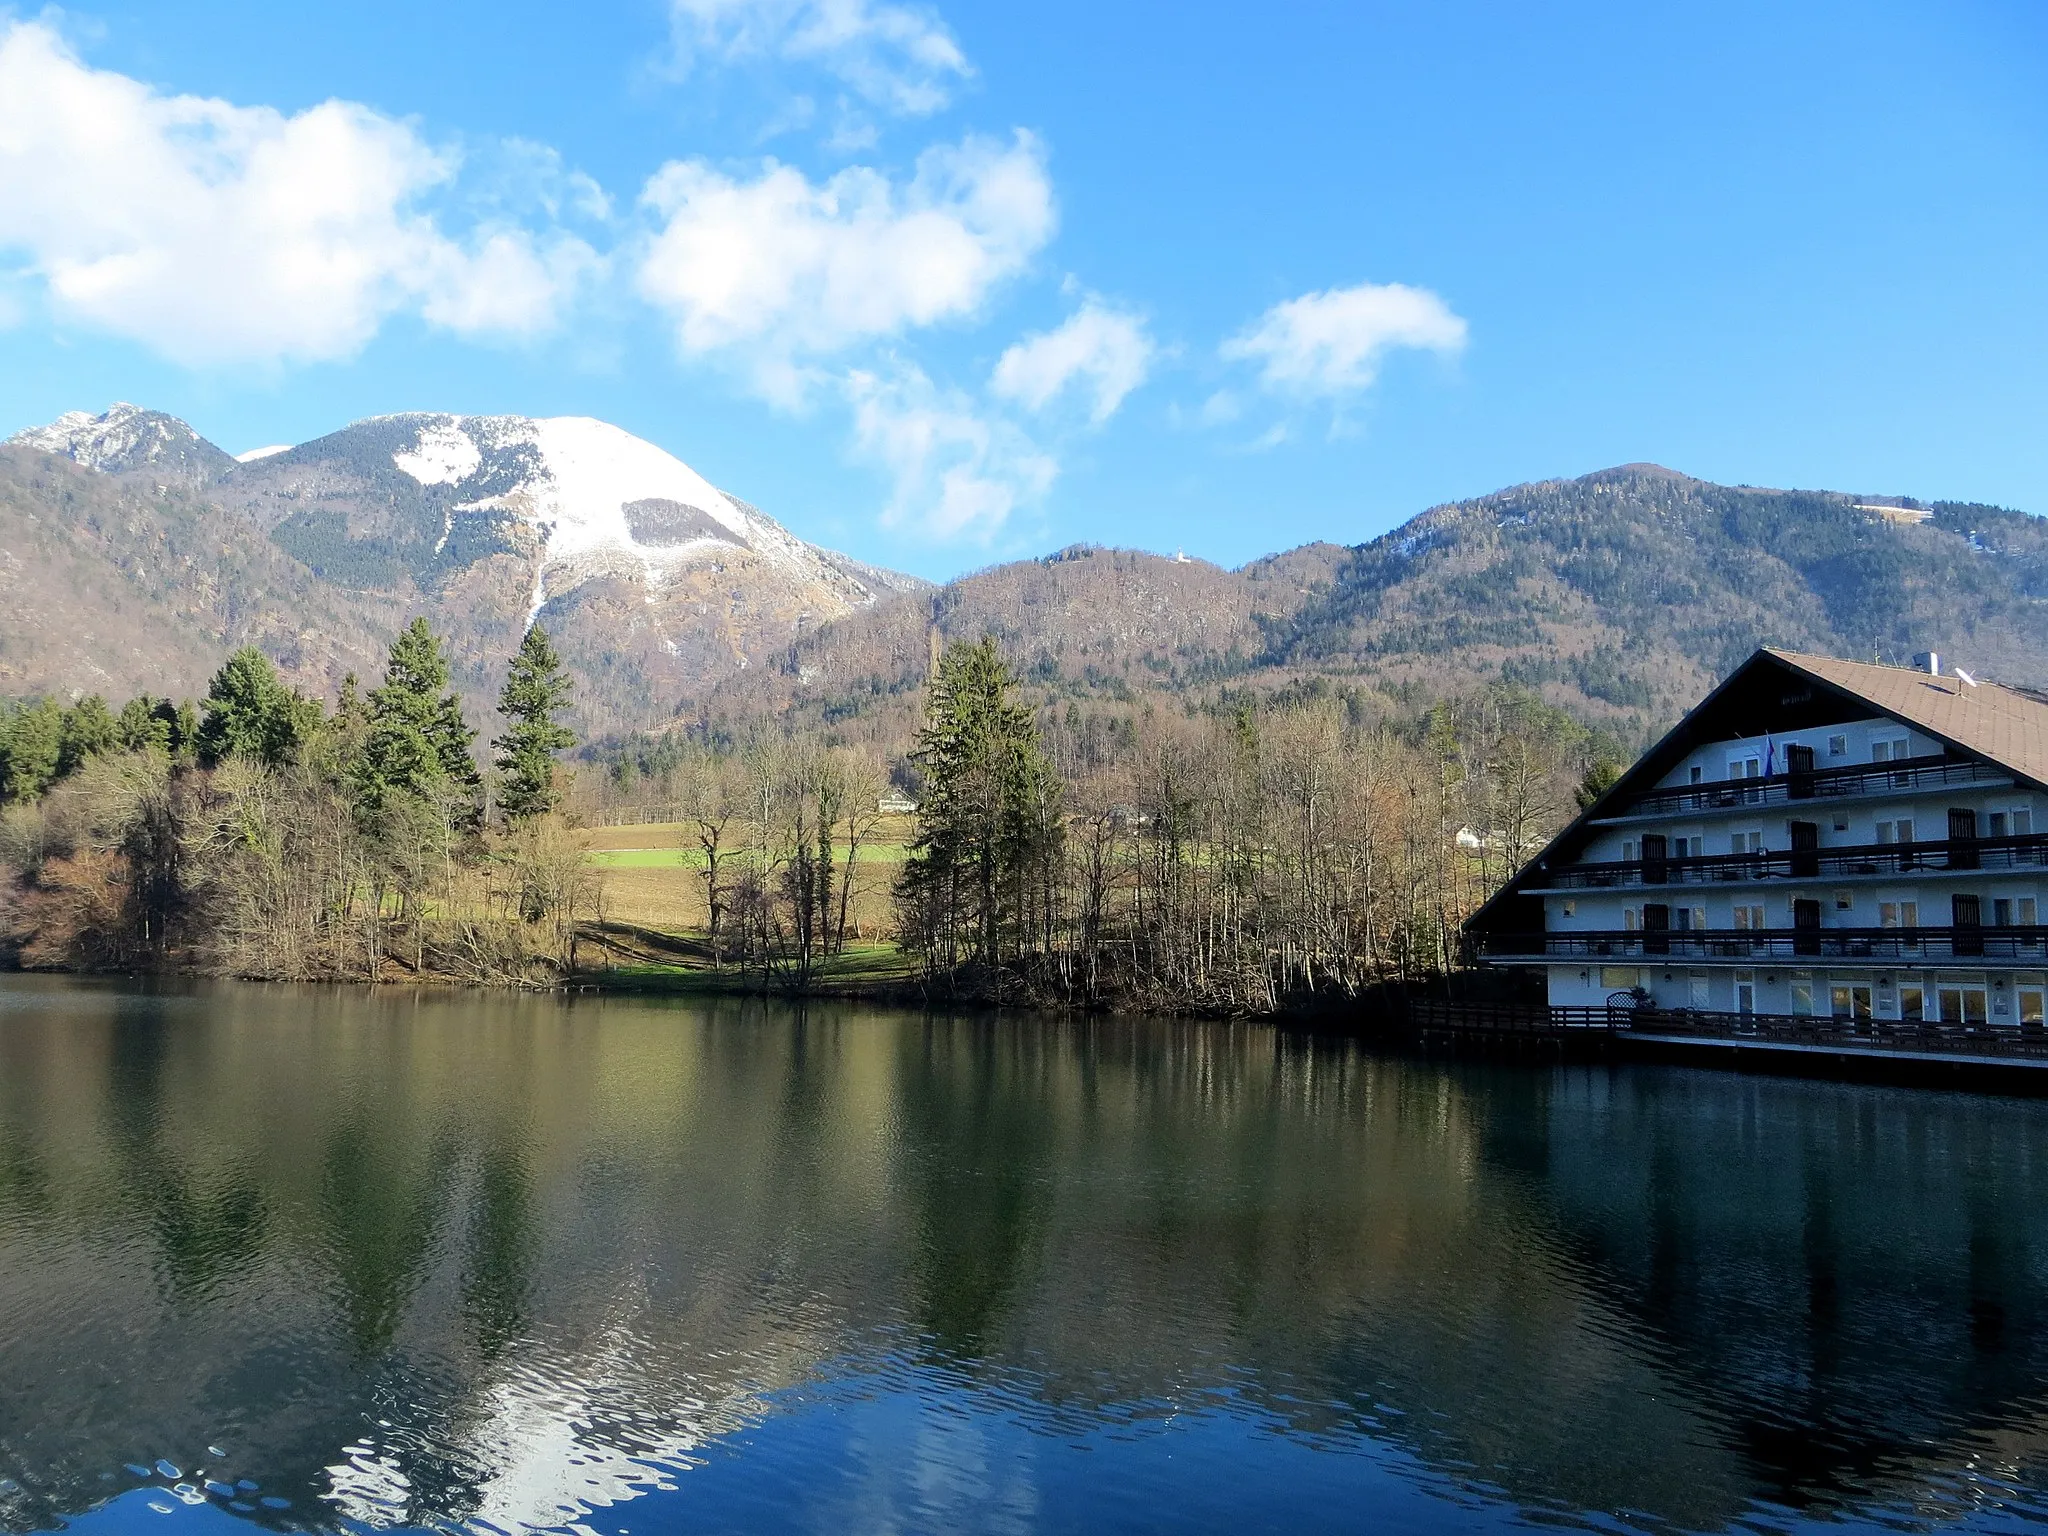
514, 1261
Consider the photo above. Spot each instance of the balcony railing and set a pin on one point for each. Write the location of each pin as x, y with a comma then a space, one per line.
1907, 775
1843, 1032
2009, 945
2027, 852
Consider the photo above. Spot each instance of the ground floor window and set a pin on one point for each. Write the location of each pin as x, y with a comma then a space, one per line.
1912, 1002
1851, 1001
1963, 1005
1620, 978
1696, 990
2031, 1000
1745, 991
1802, 993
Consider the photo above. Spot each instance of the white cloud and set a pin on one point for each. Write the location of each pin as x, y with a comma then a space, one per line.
958, 473
1106, 351
1331, 343
900, 57
214, 232
777, 271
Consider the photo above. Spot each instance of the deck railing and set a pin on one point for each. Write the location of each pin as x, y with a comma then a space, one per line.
1839, 1032
2010, 945
2024, 852
1906, 775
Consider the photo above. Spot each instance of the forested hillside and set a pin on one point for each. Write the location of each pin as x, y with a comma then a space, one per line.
1620, 597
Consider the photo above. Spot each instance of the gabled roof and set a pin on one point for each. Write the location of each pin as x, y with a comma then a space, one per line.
2006, 726
2003, 724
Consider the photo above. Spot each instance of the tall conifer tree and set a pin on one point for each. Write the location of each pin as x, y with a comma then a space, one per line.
250, 712
536, 690
417, 742
989, 817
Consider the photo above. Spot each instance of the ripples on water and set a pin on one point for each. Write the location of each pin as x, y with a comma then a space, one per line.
323, 1260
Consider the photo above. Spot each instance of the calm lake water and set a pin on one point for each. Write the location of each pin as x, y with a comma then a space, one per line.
331, 1259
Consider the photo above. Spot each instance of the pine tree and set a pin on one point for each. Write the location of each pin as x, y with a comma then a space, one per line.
990, 816
417, 742
148, 724
249, 712
31, 740
89, 731
536, 691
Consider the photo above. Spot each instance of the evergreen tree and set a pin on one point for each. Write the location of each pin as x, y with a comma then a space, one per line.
31, 740
535, 691
249, 712
1601, 777
417, 742
147, 724
89, 731
990, 818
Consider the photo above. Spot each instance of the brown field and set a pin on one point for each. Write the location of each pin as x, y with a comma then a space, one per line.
669, 895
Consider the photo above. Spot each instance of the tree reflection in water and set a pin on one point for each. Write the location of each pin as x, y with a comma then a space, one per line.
503, 1259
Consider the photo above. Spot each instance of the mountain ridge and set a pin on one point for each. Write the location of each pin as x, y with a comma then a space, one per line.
651, 578
1619, 594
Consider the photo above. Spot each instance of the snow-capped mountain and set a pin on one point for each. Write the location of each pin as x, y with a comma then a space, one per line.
126, 437
578, 498
655, 583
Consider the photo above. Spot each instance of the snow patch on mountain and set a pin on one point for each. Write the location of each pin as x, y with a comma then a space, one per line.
262, 453
126, 437
446, 455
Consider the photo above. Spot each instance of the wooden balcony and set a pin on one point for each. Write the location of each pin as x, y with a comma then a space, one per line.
1907, 776
1975, 947
1984, 853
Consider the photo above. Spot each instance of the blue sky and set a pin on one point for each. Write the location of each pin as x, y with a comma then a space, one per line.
942, 285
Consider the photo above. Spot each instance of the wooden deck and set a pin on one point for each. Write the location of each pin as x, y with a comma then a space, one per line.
1725, 1036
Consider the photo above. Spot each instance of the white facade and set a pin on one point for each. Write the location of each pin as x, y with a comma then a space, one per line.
1833, 888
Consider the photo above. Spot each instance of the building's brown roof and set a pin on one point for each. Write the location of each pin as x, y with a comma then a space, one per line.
2009, 727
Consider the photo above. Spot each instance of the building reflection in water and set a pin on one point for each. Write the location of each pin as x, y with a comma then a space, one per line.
449, 1258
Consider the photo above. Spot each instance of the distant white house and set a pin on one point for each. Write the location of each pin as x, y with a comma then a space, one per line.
896, 803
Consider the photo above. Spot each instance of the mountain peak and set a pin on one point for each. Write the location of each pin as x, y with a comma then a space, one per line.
126, 437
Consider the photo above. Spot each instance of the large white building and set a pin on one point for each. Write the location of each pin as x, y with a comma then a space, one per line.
1817, 839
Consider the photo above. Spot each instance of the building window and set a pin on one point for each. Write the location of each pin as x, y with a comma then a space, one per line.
1628, 850
2023, 823
1895, 750
1996, 828
1746, 768
1571, 908
1620, 978
1849, 1002
1896, 831
1845, 901
1628, 919
1745, 842
1745, 991
1962, 1005
1696, 990
2031, 1001
1898, 914
2028, 914
1838, 746
2001, 912
1912, 1002
1698, 773
1802, 993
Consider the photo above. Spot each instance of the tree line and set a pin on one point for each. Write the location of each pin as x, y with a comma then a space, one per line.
1234, 859
259, 834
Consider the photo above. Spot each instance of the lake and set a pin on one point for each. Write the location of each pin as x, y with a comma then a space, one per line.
340, 1259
